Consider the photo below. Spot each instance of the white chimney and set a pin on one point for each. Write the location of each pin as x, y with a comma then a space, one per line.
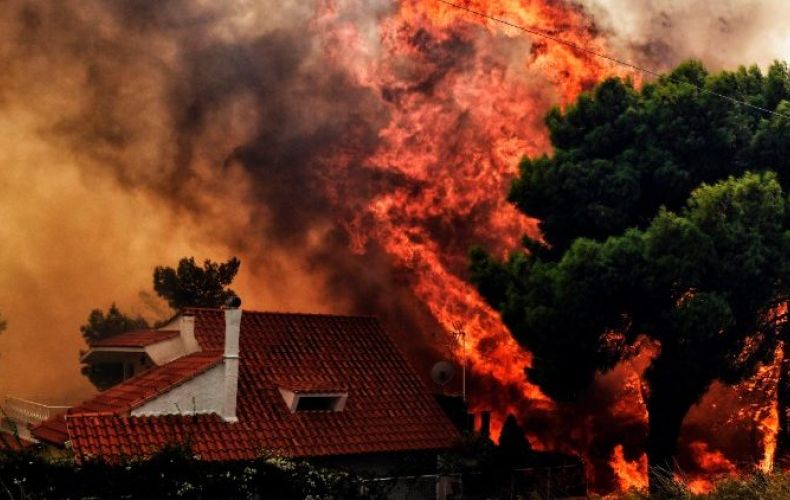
231, 358
187, 330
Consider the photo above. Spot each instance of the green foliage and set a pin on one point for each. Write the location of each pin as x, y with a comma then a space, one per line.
171, 473
189, 285
769, 148
620, 154
662, 214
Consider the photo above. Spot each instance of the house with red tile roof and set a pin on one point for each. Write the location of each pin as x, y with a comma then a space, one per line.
237, 384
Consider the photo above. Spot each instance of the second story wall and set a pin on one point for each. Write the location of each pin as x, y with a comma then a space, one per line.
201, 394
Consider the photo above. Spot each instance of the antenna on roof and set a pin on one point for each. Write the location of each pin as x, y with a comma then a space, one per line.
442, 373
459, 334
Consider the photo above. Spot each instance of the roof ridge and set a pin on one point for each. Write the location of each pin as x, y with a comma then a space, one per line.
207, 352
135, 338
286, 313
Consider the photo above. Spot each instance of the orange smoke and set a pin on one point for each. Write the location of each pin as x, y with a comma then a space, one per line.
711, 461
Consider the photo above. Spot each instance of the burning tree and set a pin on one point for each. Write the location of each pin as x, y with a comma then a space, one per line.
653, 226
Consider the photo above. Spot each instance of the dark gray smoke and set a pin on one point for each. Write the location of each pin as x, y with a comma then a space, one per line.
196, 127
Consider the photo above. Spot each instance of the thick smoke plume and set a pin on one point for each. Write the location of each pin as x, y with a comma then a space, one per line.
349, 152
722, 33
142, 131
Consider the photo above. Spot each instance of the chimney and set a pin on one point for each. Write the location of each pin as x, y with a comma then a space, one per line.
187, 330
231, 358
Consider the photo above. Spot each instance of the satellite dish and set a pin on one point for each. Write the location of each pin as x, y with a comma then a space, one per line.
442, 372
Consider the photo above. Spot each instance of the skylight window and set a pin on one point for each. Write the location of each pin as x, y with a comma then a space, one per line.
310, 402
313, 401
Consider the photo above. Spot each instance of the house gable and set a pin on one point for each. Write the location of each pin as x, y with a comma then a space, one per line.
200, 394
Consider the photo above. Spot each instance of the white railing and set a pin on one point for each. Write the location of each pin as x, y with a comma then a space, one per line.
31, 412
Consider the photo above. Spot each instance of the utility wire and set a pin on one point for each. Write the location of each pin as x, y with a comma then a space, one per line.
615, 60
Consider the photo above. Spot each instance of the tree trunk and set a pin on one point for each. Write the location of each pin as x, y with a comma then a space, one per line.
665, 419
673, 391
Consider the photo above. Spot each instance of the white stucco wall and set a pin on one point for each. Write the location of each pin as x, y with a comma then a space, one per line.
202, 394
166, 351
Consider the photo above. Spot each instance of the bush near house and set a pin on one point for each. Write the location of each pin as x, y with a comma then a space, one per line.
174, 472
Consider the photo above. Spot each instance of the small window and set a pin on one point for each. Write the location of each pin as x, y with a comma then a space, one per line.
317, 403
313, 401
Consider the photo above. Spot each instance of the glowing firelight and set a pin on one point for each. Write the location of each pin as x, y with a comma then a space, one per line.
630, 474
456, 144
474, 145
769, 427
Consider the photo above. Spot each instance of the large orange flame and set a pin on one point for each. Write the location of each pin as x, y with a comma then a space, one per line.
460, 142
466, 97
630, 474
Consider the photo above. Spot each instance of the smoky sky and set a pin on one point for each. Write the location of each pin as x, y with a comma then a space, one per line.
721, 33
207, 108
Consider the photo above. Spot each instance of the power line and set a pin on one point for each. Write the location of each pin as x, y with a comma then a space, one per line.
615, 60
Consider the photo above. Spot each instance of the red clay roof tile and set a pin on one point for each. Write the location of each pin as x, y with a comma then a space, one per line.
138, 338
137, 390
388, 408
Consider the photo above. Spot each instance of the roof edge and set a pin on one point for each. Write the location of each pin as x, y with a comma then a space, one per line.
279, 313
178, 383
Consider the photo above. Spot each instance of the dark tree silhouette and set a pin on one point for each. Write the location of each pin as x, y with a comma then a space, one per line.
102, 326
632, 245
190, 285
514, 449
